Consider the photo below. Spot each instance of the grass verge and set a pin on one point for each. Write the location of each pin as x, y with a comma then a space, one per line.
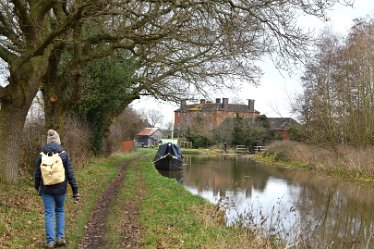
202, 151
172, 217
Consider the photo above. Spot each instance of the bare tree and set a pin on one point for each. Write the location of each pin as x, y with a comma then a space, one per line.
318, 81
338, 101
169, 129
125, 127
355, 86
154, 117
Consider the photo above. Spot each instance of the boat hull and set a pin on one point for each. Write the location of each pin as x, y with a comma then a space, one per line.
169, 163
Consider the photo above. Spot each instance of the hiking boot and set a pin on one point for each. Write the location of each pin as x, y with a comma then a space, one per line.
50, 245
60, 242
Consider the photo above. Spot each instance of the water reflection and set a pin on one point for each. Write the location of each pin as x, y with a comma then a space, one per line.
301, 208
175, 174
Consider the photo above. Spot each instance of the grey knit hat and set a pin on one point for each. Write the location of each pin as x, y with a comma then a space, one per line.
53, 137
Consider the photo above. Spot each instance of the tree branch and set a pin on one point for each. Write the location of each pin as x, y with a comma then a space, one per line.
26, 24
39, 49
41, 8
6, 55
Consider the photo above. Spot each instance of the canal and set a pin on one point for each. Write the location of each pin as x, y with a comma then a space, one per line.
294, 205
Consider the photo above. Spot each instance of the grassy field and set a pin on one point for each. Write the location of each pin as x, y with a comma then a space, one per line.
168, 215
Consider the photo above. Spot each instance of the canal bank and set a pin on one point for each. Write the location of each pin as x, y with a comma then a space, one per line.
343, 162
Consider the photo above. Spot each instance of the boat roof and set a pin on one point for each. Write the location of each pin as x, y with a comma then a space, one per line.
173, 141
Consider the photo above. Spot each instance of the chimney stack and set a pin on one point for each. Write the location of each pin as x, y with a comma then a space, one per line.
225, 102
218, 101
183, 104
202, 101
251, 105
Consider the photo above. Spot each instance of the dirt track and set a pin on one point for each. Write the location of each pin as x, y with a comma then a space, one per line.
94, 237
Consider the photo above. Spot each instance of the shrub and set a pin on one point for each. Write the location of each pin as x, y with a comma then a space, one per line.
347, 159
32, 141
76, 139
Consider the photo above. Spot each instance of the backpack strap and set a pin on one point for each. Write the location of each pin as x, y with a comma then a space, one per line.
41, 153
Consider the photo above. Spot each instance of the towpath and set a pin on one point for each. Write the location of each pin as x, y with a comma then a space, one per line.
94, 236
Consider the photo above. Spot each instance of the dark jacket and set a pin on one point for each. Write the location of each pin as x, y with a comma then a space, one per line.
59, 188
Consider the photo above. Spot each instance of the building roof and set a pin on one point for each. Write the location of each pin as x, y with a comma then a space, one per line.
281, 123
147, 131
210, 107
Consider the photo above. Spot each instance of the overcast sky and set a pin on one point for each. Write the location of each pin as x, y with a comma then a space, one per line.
273, 96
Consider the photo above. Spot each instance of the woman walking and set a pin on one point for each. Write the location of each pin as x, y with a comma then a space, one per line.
51, 162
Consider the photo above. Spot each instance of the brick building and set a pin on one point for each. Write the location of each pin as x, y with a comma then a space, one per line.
281, 126
149, 136
213, 113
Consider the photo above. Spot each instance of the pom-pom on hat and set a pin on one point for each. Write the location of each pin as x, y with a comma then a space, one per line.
53, 137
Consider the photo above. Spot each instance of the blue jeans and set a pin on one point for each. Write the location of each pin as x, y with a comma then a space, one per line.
54, 206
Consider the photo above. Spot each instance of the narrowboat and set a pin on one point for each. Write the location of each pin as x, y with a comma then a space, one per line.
168, 157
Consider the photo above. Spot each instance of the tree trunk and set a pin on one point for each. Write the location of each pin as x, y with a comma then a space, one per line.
15, 103
54, 114
12, 120
57, 104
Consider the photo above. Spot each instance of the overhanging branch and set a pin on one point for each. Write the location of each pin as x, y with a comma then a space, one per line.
39, 49
6, 55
